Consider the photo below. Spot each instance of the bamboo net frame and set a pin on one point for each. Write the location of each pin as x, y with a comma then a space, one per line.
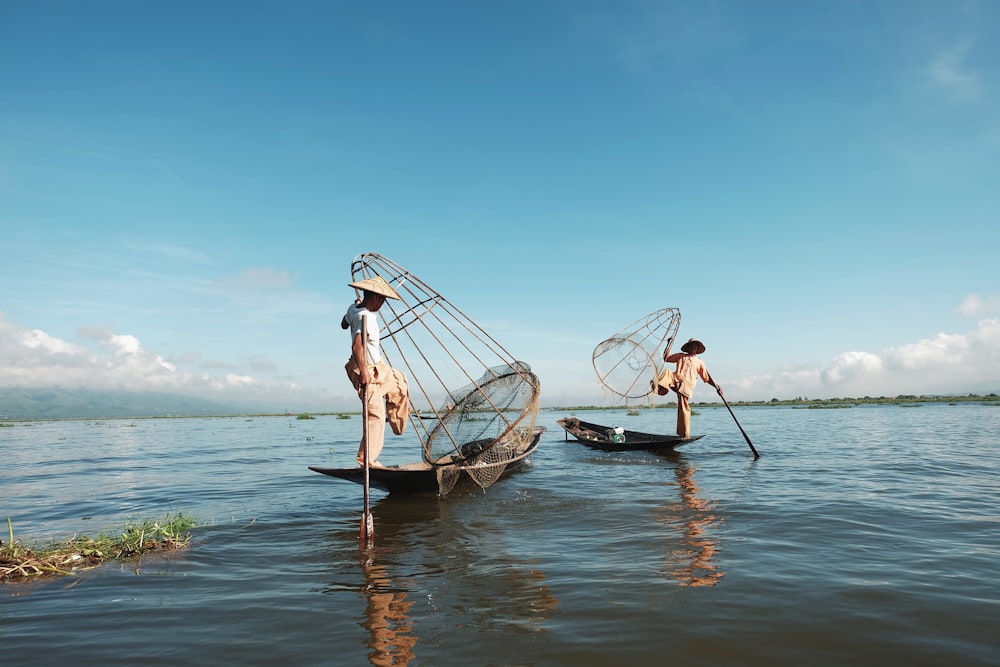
629, 361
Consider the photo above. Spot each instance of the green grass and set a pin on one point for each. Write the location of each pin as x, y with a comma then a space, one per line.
21, 562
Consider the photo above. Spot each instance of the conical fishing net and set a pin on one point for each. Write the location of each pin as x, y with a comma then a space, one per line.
629, 361
474, 405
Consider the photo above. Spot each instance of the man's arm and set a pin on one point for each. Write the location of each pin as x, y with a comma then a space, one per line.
358, 351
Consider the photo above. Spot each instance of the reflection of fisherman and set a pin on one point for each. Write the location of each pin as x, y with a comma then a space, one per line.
368, 373
386, 618
699, 548
684, 379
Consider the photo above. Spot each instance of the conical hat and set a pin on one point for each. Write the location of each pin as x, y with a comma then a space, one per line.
693, 346
378, 285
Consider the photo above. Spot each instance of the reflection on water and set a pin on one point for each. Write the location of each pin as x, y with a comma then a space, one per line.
399, 527
386, 616
432, 551
692, 561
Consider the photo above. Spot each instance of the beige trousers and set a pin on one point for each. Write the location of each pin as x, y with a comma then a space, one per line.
388, 394
683, 416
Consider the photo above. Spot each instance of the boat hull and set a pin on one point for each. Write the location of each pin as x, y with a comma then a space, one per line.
419, 477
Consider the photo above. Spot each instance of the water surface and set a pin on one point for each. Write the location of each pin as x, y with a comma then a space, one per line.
866, 535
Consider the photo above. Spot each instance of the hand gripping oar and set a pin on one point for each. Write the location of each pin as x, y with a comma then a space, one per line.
666, 350
367, 533
745, 436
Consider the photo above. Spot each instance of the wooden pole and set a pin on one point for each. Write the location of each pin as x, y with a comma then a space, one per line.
745, 436
367, 531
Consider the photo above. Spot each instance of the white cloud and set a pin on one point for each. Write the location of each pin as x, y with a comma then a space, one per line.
33, 358
234, 380
850, 366
123, 345
941, 365
978, 306
39, 340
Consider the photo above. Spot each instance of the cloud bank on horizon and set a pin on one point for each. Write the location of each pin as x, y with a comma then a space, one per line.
945, 364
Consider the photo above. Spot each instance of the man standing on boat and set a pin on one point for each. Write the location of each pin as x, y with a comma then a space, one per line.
689, 369
385, 387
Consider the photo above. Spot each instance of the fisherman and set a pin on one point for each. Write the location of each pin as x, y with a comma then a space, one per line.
684, 379
386, 387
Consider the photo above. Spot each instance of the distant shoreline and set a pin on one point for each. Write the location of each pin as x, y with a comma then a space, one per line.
902, 400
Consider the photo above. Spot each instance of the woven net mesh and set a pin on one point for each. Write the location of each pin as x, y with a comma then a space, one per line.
474, 406
493, 418
629, 361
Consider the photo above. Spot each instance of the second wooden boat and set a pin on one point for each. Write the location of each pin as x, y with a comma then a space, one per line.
617, 439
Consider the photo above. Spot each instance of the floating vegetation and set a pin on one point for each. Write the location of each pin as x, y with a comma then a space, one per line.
305, 415
19, 562
3, 425
820, 406
633, 413
343, 415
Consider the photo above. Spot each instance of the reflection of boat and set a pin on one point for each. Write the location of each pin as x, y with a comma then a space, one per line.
617, 439
423, 477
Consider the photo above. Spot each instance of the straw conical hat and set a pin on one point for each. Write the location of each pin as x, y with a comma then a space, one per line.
378, 285
693, 346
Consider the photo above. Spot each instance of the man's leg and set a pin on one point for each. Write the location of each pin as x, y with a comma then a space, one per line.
683, 416
375, 423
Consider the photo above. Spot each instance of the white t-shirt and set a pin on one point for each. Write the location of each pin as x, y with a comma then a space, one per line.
353, 316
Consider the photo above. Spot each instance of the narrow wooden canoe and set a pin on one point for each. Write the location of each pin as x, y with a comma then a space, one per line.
418, 477
602, 437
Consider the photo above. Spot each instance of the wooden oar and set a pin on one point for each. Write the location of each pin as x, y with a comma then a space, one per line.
745, 436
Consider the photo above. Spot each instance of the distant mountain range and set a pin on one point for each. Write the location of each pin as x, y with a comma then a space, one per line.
61, 403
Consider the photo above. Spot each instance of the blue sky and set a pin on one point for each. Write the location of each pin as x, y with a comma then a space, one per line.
183, 187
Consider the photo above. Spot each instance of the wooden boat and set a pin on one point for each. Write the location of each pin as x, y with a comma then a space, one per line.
422, 477
606, 437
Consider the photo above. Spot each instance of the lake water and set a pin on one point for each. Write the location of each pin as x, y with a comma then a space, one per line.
865, 536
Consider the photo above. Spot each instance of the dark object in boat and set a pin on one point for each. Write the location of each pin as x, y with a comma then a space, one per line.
617, 439
422, 477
